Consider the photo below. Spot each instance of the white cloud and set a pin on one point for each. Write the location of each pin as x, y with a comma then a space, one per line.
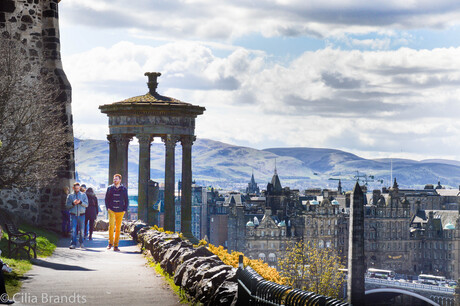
381, 101
229, 19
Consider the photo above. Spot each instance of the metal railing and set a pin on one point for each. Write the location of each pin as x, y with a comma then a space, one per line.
253, 289
413, 286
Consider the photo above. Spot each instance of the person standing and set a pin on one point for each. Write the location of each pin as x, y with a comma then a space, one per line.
83, 190
65, 215
91, 213
77, 203
116, 202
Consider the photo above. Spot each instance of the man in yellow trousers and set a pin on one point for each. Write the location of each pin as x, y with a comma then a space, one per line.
116, 202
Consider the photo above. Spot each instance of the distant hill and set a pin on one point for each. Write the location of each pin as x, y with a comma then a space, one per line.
230, 167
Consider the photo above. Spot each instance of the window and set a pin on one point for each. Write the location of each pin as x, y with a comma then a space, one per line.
262, 256
271, 257
262, 233
273, 233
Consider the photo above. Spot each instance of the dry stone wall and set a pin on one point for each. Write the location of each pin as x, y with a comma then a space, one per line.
203, 276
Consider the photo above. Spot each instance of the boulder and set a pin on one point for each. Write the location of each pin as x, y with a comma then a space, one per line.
101, 225
134, 228
199, 252
188, 268
171, 255
211, 280
160, 247
224, 295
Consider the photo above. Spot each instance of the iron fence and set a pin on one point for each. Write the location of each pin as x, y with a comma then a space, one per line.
253, 289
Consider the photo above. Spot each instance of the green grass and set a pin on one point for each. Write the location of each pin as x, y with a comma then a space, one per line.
46, 243
170, 280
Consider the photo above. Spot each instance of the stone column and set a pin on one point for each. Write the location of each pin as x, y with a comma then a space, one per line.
122, 142
186, 197
356, 265
112, 157
144, 175
170, 179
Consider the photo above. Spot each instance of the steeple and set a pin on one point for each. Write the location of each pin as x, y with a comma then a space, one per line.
252, 186
276, 182
395, 184
339, 188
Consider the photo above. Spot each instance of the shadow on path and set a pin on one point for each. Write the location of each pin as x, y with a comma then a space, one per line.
57, 266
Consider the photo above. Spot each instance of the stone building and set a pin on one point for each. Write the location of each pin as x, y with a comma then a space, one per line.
434, 243
324, 224
425, 241
267, 240
387, 231
35, 25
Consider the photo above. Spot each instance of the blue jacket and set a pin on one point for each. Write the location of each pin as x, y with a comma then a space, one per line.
116, 199
78, 209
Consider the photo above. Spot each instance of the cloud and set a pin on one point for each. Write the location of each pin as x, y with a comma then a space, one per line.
226, 20
359, 101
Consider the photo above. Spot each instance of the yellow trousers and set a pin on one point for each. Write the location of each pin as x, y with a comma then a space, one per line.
115, 219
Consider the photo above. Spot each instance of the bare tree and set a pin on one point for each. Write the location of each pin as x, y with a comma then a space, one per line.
32, 134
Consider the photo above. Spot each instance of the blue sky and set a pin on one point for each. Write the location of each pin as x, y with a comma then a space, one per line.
379, 79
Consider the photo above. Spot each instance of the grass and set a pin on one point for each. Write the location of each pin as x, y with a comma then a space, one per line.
183, 299
46, 243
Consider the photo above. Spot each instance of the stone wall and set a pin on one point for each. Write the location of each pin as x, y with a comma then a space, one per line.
22, 203
200, 273
35, 24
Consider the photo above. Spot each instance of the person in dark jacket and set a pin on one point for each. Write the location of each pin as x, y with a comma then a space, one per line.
4, 299
91, 212
116, 202
65, 214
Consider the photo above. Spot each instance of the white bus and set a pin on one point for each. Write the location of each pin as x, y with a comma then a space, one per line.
379, 273
432, 280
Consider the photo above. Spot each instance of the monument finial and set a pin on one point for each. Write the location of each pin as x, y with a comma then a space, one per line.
152, 83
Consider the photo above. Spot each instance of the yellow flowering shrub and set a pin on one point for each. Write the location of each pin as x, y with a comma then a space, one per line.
231, 259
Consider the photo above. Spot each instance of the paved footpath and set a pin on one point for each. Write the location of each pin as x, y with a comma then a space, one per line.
95, 276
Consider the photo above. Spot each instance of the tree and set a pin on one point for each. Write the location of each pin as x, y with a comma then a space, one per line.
32, 131
309, 268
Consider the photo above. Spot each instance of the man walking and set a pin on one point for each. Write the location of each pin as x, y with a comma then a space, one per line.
77, 203
116, 202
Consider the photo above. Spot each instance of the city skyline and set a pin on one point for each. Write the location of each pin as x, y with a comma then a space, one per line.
376, 80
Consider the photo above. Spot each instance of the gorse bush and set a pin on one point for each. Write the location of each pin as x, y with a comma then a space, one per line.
231, 259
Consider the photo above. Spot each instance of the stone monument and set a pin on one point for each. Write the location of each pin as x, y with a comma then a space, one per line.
146, 117
356, 266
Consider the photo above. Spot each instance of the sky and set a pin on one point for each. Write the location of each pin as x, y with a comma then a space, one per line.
375, 78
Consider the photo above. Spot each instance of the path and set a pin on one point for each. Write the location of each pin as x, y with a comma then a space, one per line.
95, 276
